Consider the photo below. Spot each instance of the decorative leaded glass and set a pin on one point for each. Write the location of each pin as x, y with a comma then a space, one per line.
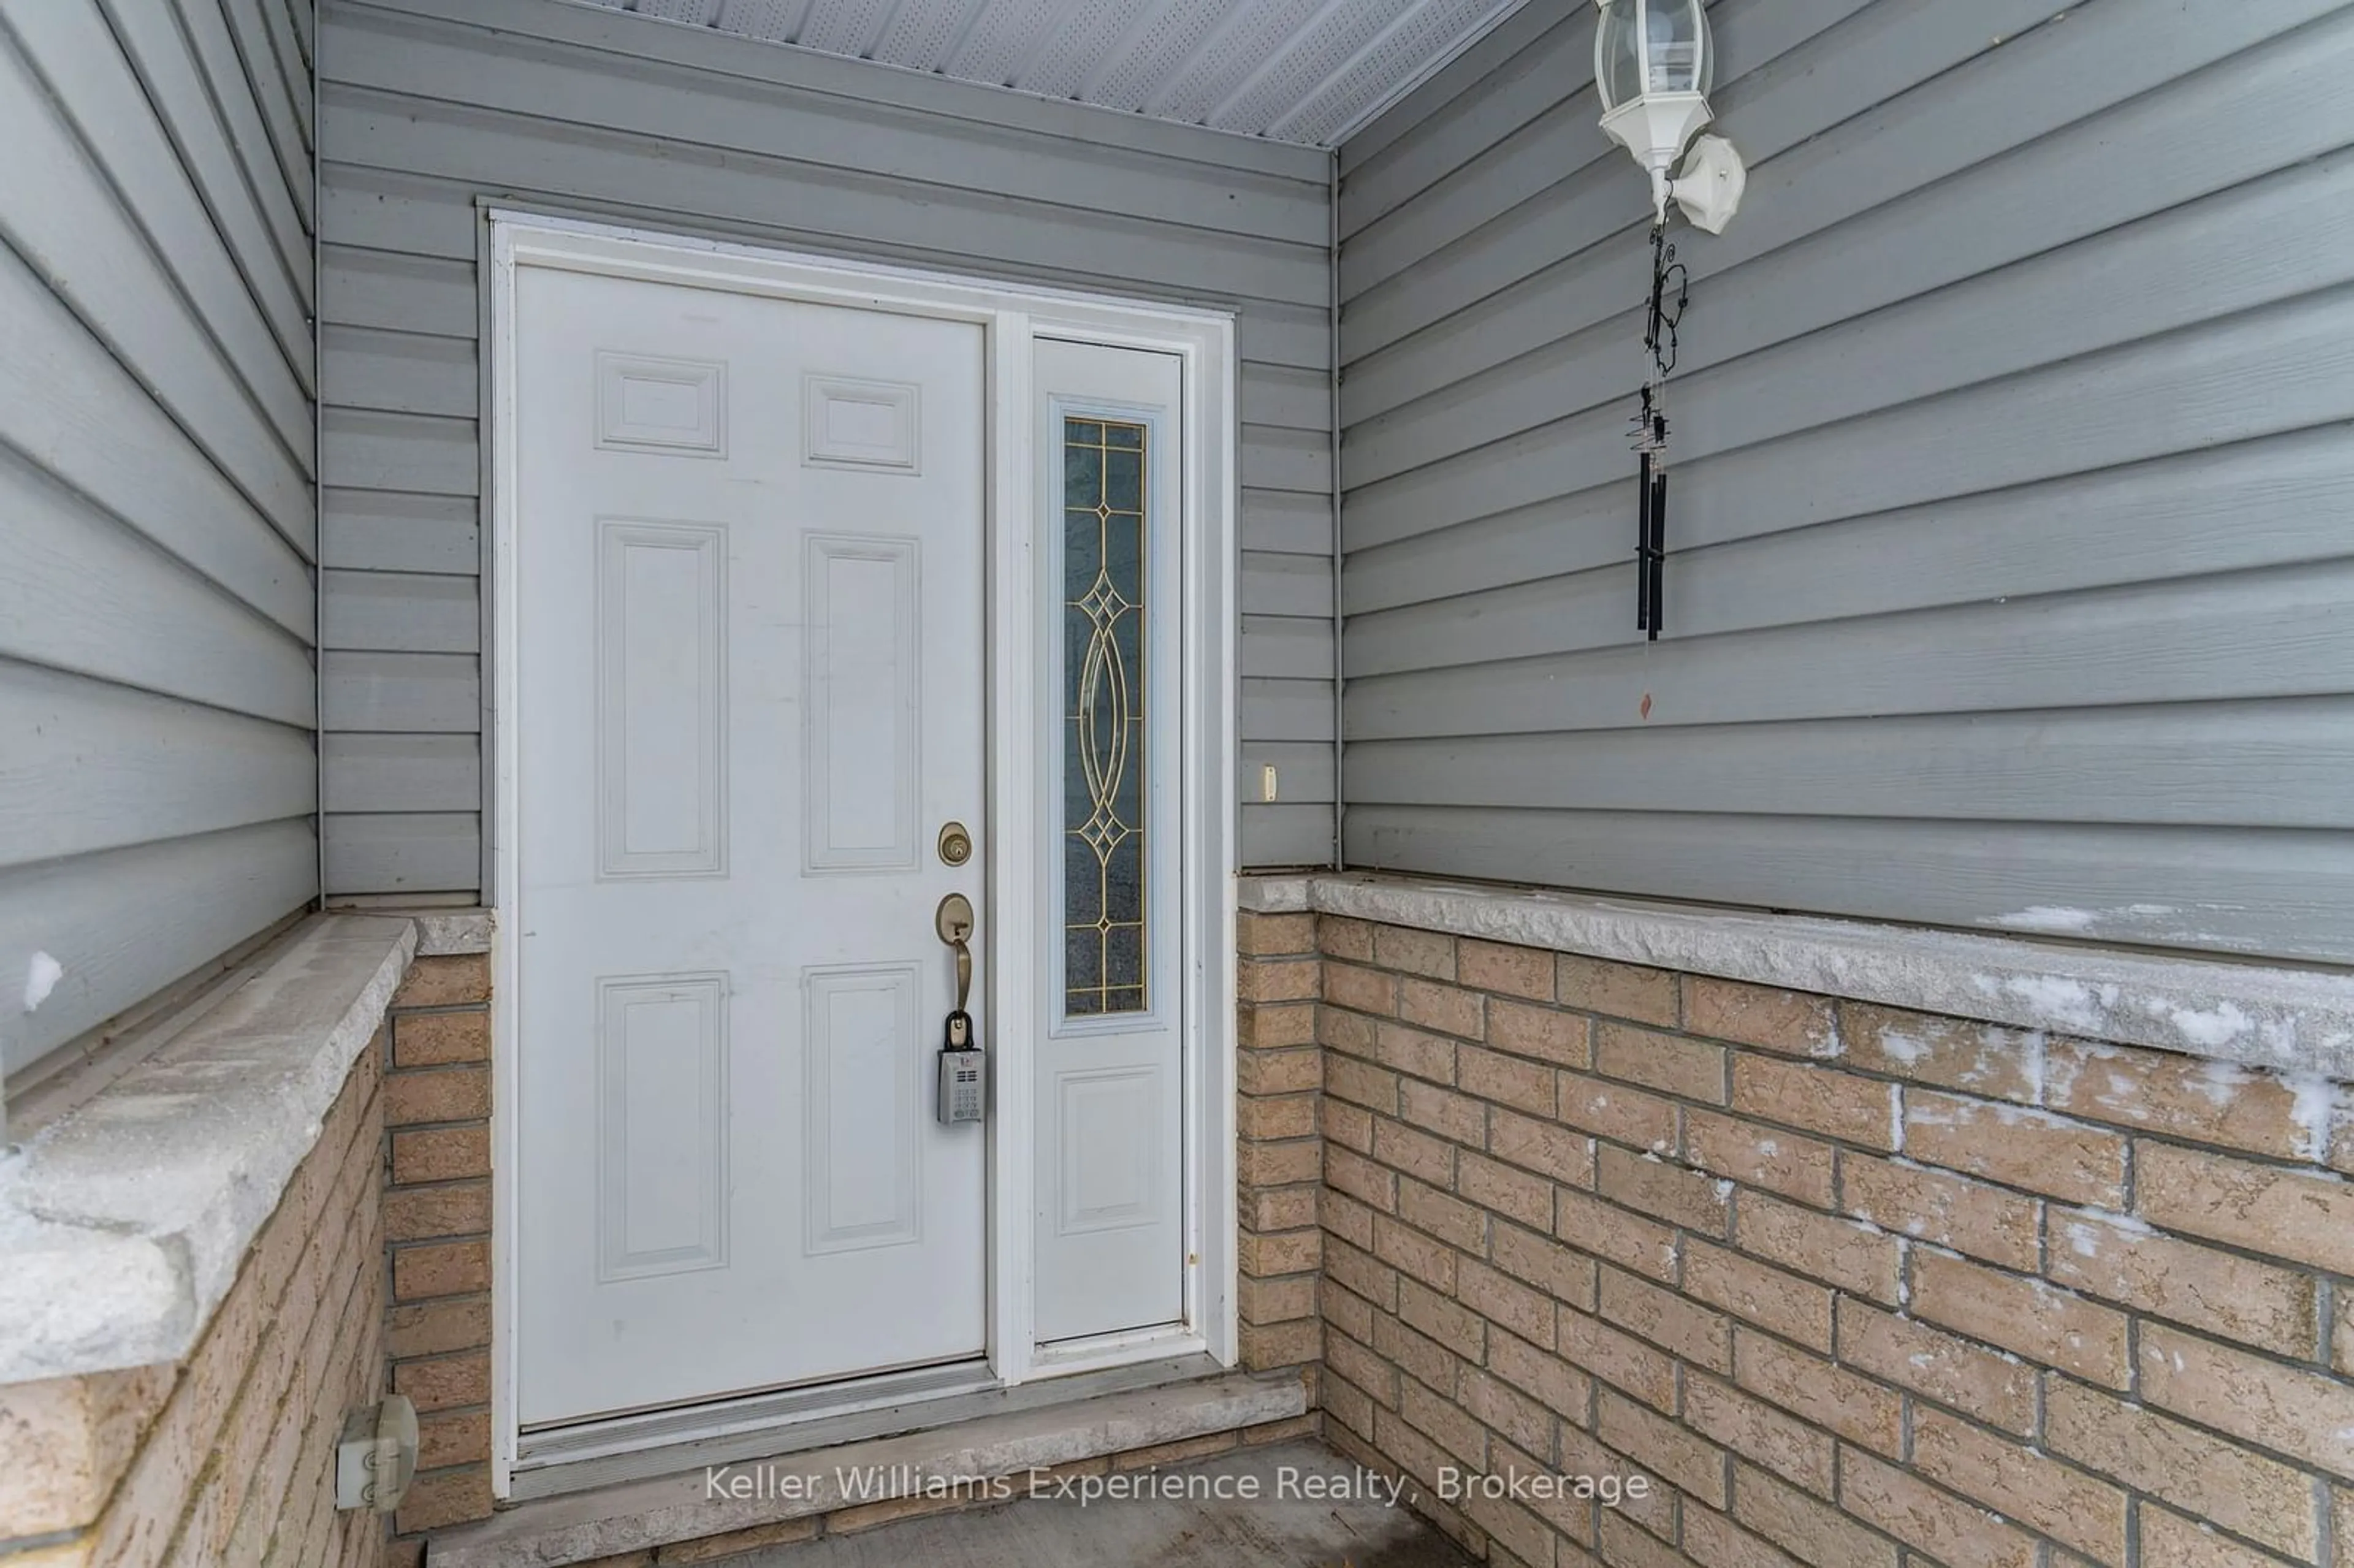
1104, 824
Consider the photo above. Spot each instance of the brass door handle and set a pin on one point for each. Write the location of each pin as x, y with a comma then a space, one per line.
953, 921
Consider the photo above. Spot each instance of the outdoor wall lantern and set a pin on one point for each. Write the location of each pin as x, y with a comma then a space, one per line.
1654, 63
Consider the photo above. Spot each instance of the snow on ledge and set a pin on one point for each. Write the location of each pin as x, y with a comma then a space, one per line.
2298, 1021
122, 1225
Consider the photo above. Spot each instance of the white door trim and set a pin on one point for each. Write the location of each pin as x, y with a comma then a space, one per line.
1012, 318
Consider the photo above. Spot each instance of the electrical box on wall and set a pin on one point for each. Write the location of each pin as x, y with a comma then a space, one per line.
375, 1458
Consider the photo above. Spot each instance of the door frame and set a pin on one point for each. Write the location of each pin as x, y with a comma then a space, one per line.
1012, 317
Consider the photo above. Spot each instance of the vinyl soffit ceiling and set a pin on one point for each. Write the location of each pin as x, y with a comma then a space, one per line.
1305, 71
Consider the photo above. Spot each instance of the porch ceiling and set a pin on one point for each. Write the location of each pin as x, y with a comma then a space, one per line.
1307, 71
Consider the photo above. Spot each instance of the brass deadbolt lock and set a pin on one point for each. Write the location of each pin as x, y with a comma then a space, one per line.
956, 844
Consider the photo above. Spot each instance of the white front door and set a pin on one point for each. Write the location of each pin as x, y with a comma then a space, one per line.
748, 545
1111, 1236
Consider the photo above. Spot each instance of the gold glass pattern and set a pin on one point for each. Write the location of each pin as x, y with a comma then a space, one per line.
1104, 826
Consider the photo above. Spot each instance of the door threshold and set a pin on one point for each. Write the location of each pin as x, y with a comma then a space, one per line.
797, 1420
1093, 1352
598, 1449
1010, 1432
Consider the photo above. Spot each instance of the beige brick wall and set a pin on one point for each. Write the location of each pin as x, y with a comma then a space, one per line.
229, 1458
1854, 1288
437, 1234
1278, 1166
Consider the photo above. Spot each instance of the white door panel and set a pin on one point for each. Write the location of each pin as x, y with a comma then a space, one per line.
1109, 1104
749, 547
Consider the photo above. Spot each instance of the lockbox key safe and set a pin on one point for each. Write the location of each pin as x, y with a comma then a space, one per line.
964, 1073
964, 1066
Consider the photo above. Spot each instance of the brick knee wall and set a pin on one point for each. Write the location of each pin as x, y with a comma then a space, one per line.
437, 1234
1851, 1287
1279, 1167
228, 1458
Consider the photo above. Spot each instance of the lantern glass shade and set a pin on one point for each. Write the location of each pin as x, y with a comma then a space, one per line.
1649, 48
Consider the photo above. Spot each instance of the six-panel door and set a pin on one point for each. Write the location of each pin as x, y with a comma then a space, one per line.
749, 564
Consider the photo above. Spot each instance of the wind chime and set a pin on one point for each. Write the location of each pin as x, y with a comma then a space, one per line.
1654, 63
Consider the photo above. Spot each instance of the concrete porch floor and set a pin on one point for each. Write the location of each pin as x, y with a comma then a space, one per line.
1192, 1531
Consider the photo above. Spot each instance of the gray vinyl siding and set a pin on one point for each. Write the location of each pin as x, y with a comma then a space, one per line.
2012, 520
157, 512
432, 106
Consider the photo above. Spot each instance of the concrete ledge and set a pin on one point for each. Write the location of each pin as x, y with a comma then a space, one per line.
1274, 894
122, 1223
640, 1515
2297, 1022
443, 932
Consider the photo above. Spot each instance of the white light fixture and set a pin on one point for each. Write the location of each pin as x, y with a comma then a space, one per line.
1654, 63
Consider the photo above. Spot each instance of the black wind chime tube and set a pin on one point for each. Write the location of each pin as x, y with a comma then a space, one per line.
1653, 610
1643, 564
